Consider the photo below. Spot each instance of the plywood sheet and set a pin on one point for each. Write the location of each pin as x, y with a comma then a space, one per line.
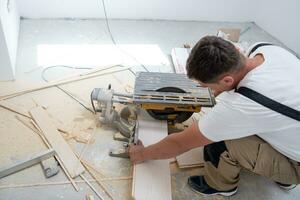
192, 158
152, 179
63, 150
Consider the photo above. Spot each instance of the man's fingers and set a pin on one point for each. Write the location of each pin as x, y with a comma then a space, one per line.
135, 152
129, 149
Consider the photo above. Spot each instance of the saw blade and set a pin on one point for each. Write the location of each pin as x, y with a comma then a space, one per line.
170, 113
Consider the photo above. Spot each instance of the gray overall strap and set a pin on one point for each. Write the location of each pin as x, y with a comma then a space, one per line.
269, 103
265, 101
257, 46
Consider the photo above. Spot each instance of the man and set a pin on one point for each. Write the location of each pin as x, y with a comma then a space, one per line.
239, 132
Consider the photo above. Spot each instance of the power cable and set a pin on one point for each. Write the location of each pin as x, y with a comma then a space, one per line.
63, 90
114, 41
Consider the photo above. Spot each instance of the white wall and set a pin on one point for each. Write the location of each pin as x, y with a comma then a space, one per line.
6, 71
282, 20
279, 18
208, 10
9, 33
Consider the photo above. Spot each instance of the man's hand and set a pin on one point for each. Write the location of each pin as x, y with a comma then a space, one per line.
136, 152
169, 147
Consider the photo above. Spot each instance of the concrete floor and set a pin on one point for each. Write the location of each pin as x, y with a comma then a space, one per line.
44, 43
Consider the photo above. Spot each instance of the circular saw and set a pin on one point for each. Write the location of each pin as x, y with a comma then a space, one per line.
165, 96
170, 112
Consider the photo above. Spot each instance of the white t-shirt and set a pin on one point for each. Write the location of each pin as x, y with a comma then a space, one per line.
236, 116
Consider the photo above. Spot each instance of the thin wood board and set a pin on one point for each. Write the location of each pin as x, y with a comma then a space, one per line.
49, 85
192, 158
14, 108
152, 179
63, 150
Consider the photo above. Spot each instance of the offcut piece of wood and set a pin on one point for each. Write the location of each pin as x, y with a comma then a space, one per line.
14, 108
89, 197
91, 71
57, 142
92, 187
192, 158
80, 156
92, 171
49, 85
125, 178
152, 179
30, 126
89, 165
37, 130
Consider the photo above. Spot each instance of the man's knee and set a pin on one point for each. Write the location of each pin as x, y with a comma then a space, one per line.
212, 152
245, 144
244, 151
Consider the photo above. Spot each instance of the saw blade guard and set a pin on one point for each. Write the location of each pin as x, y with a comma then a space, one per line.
170, 113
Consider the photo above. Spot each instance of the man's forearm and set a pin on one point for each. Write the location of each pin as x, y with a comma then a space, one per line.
175, 144
170, 146
167, 148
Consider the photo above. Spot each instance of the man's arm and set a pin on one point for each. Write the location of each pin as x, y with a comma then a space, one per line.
169, 147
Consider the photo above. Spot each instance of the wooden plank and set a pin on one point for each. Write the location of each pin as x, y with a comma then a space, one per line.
23, 164
37, 130
152, 179
93, 174
63, 150
192, 158
89, 197
91, 186
14, 108
179, 57
125, 178
49, 85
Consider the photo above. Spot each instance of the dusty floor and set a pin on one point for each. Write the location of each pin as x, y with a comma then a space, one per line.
86, 43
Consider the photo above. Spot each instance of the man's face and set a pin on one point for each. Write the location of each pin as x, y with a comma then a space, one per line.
216, 87
225, 83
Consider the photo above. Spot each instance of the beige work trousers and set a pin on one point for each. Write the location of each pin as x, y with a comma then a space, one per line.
253, 154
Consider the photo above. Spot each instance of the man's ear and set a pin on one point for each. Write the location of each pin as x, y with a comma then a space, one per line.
227, 80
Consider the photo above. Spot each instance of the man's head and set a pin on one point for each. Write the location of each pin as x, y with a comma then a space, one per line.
215, 63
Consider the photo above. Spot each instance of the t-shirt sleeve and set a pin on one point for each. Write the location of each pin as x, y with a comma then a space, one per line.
235, 116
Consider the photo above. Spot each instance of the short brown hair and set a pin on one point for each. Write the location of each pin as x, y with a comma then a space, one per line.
211, 57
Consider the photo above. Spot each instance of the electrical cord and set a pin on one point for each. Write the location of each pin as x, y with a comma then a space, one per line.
114, 41
92, 102
65, 66
67, 93
107, 23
